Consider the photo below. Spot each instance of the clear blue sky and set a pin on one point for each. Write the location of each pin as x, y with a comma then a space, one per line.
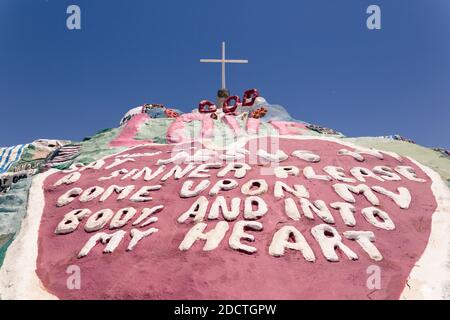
316, 58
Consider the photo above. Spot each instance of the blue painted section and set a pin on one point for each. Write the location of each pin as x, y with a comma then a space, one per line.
10, 156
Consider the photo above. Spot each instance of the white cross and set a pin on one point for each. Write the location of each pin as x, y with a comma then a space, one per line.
223, 61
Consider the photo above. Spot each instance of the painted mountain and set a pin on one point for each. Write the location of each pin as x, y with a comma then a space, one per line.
233, 202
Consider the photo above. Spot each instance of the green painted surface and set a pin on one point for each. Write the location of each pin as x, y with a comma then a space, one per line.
154, 130
13, 208
96, 147
433, 159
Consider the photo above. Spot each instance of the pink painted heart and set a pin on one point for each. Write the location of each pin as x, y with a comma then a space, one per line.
157, 269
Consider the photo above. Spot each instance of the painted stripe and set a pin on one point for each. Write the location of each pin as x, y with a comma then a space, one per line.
17, 158
6, 158
10, 153
2, 156
13, 154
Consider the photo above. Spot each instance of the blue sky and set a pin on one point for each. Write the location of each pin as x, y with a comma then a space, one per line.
316, 58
